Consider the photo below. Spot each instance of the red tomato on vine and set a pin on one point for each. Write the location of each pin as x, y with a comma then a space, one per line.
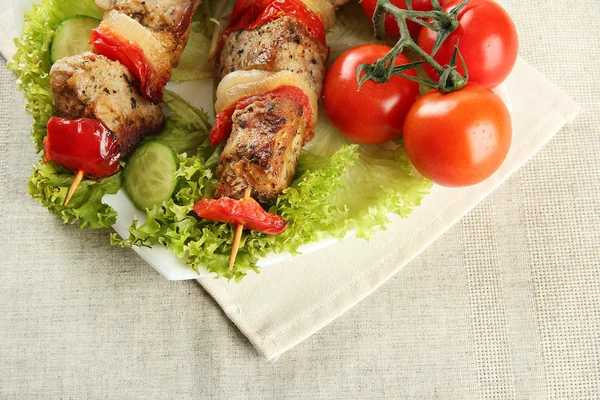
459, 138
376, 113
487, 40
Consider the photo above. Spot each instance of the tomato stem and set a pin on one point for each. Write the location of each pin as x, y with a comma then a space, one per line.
438, 20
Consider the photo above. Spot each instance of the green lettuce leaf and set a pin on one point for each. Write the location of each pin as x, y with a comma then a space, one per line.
49, 184
351, 29
307, 204
186, 127
382, 180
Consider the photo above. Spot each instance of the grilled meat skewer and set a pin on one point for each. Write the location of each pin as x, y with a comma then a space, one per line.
252, 157
268, 116
102, 107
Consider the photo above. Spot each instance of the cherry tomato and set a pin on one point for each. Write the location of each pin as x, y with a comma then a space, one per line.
376, 113
459, 138
487, 40
391, 26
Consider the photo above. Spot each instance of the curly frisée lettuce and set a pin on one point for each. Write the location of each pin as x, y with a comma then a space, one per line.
309, 204
49, 184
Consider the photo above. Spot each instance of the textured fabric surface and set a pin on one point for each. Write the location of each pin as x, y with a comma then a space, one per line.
505, 305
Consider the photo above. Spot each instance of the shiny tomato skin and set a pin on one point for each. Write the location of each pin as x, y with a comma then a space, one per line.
391, 26
460, 138
487, 39
376, 113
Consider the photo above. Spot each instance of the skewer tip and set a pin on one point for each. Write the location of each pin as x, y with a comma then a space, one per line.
74, 185
237, 237
236, 246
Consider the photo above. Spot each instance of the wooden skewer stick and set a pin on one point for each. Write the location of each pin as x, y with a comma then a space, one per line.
238, 237
74, 185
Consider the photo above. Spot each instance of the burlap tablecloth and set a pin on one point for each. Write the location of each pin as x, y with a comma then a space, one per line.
505, 305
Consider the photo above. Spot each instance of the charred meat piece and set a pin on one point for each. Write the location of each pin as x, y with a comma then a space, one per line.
263, 149
168, 20
281, 44
92, 86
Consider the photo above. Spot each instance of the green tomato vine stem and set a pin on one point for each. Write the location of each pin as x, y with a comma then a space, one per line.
438, 20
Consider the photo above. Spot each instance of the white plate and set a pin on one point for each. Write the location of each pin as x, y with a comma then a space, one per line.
199, 94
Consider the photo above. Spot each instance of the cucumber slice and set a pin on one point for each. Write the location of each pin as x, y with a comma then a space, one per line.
150, 175
72, 37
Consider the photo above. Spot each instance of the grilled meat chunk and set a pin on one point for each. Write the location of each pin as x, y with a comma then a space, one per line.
282, 44
168, 20
263, 149
92, 86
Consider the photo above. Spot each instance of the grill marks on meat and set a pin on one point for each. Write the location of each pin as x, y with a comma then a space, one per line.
263, 149
92, 86
169, 21
281, 44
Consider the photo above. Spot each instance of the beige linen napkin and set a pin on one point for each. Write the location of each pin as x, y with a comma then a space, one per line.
286, 303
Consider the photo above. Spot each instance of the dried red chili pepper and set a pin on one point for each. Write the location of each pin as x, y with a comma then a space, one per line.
246, 212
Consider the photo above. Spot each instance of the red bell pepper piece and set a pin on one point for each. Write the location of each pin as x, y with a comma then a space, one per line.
111, 45
223, 124
246, 212
82, 145
222, 127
